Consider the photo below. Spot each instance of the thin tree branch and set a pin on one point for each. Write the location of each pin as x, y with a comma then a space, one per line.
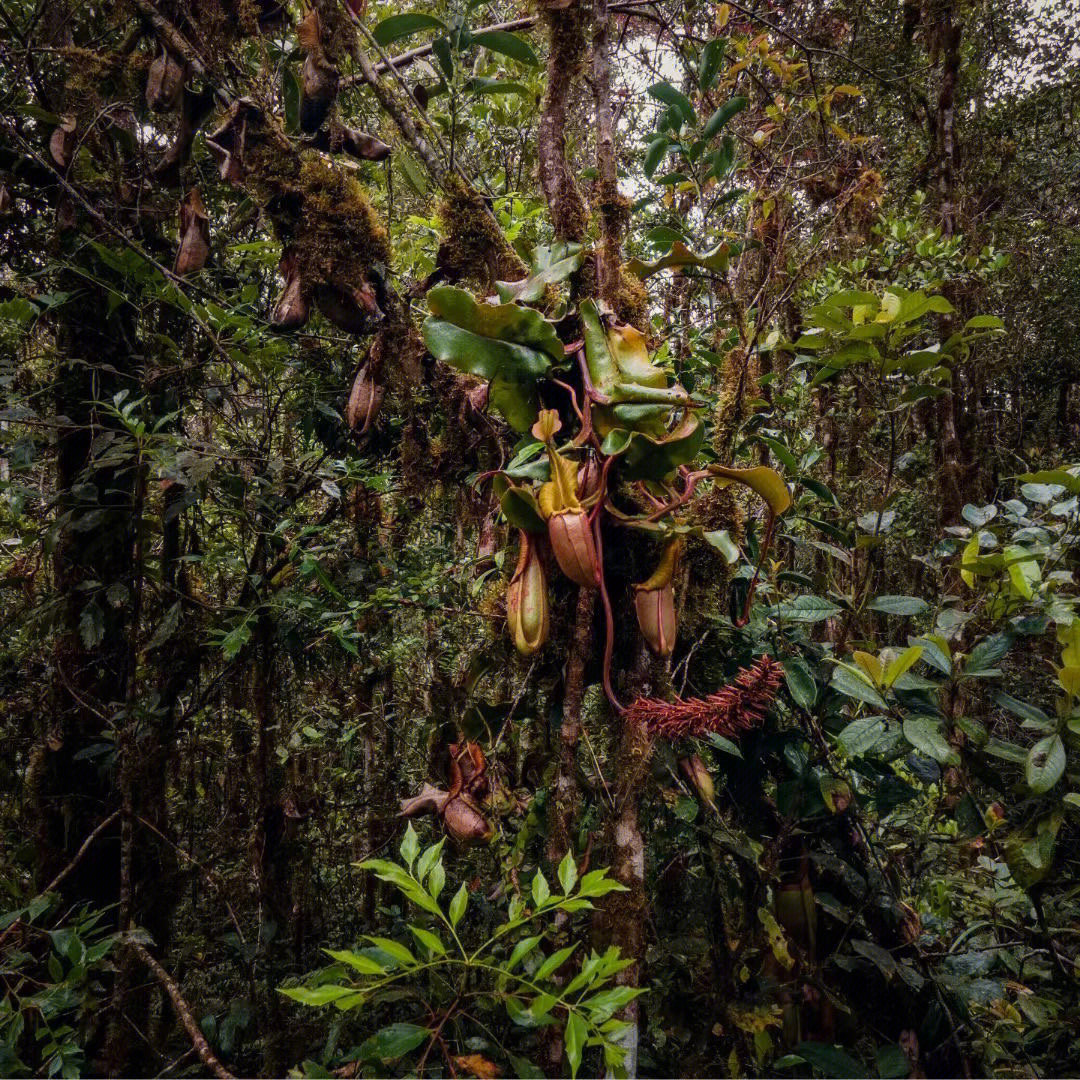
183, 1011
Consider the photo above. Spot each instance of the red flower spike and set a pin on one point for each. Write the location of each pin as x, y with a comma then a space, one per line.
735, 708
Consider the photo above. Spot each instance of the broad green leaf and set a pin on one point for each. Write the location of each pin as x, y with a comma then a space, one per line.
357, 961
899, 605
574, 1038
656, 153
723, 115
519, 505
936, 651
901, 664
1006, 751
925, 735
986, 654
509, 345
861, 736
550, 265
394, 1042
603, 1005
1032, 715
830, 1061
394, 949
290, 95
1023, 569
553, 963
482, 85
984, 322
428, 940
316, 995
808, 609
458, 905
665, 92
800, 682
428, 859
410, 846
1045, 764
541, 891
715, 260
568, 873
522, 949
852, 683
712, 56
502, 41
647, 458
596, 883
508, 323
436, 880
396, 27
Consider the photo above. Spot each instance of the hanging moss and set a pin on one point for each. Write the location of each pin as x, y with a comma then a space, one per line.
473, 246
631, 301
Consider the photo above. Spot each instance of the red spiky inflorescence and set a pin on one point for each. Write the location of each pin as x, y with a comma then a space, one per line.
735, 708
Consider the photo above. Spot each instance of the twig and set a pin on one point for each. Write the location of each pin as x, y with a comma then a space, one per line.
183, 1011
84, 847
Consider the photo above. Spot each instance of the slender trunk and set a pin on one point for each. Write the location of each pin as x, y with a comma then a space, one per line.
566, 48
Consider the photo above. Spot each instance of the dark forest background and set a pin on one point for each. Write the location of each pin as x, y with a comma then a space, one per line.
539, 539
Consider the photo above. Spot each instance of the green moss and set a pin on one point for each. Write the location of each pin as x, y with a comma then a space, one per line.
473, 245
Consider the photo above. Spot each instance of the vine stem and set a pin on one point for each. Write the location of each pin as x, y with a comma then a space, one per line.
766, 543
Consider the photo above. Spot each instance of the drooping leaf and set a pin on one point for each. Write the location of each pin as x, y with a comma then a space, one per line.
393, 1042
396, 27
550, 265
656, 153
924, 734
722, 115
715, 260
649, 458
675, 99
767, 482
509, 345
502, 41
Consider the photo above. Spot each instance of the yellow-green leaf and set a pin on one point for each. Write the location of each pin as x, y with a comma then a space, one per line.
765, 481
